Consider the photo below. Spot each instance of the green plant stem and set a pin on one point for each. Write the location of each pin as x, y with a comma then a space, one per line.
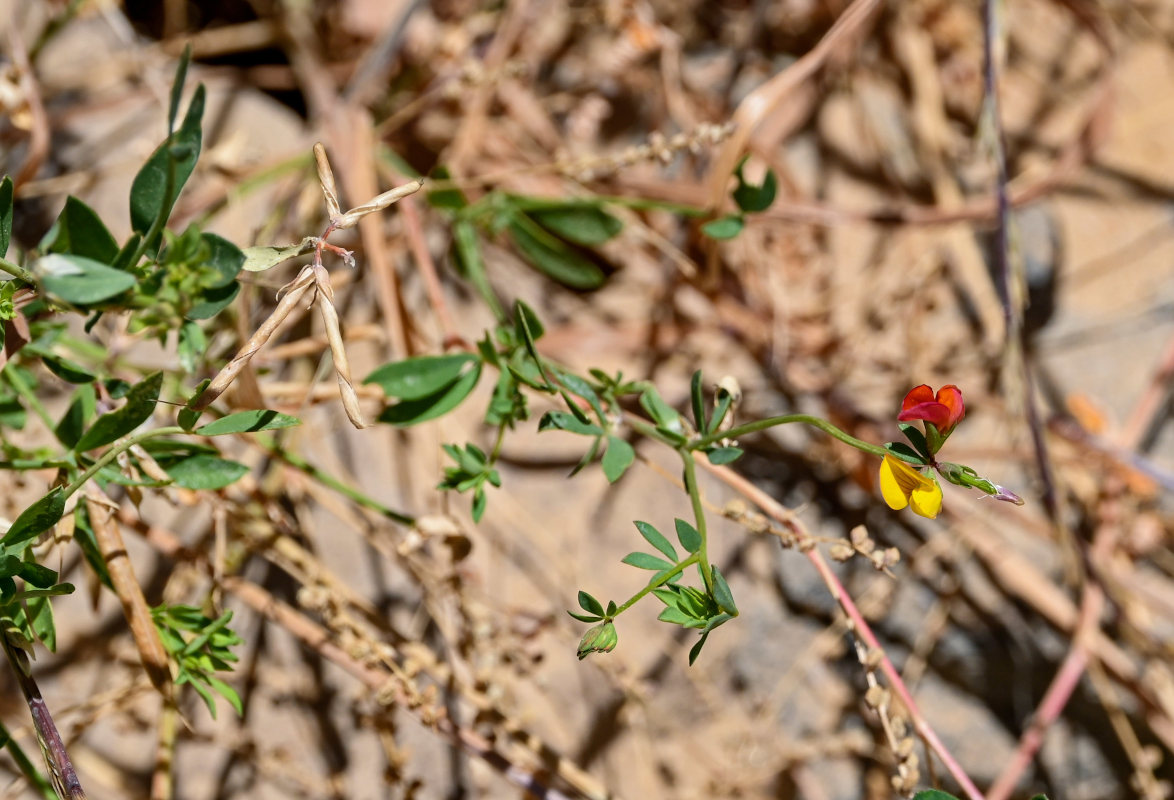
699, 515
25, 765
331, 482
115, 451
636, 598
17, 271
770, 422
29, 396
493, 456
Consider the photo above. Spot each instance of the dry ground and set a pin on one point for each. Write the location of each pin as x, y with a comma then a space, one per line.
868, 276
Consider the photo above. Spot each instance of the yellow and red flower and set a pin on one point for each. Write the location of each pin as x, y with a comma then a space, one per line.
943, 410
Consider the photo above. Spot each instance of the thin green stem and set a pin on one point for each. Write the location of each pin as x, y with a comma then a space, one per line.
698, 515
493, 456
115, 451
770, 422
331, 482
29, 396
17, 271
665, 578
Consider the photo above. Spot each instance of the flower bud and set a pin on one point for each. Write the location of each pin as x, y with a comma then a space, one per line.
600, 639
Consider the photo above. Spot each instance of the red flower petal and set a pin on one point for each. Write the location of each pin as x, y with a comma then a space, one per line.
932, 411
917, 396
951, 397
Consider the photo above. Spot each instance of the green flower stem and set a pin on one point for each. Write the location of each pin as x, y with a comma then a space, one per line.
331, 482
770, 422
636, 598
17, 271
117, 450
699, 515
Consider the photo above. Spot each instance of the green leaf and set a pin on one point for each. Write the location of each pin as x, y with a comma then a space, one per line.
582, 224
554, 257
37, 575
688, 536
724, 455
618, 456
224, 258
646, 561
410, 412
140, 403
149, 195
916, 438
751, 198
905, 453
65, 369
248, 422
79, 231
726, 227
529, 329
35, 520
192, 344
590, 604
205, 472
664, 415
213, 301
422, 376
588, 457
722, 594
675, 616
471, 266
41, 620
937, 794
581, 388
187, 418
80, 280
657, 540
261, 258
561, 420
73, 423
83, 534
479, 503
227, 692
697, 396
585, 617
5, 214
695, 650
181, 71
450, 199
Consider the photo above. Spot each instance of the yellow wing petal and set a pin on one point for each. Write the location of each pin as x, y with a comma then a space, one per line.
890, 485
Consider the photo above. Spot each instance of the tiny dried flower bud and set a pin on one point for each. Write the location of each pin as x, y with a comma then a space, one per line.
874, 658
876, 696
860, 538
326, 179
905, 748
351, 218
841, 551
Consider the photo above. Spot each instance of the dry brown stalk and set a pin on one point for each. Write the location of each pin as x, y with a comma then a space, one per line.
156, 662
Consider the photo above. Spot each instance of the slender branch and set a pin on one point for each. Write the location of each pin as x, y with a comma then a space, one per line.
770, 422
17, 271
699, 515
665, 578
115, 451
